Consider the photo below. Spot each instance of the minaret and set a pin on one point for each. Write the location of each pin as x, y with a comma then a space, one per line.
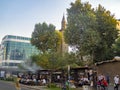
64, 46
63, 23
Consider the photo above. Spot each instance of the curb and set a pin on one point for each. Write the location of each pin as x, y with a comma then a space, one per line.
34, 87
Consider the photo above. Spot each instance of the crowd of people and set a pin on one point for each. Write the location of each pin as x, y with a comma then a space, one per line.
103, 82
32, 80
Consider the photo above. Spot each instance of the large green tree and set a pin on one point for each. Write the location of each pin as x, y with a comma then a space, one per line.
81, 30
91, 31
106, 27
48, 41
45, 37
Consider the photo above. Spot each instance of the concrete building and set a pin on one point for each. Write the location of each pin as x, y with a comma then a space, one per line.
15, 50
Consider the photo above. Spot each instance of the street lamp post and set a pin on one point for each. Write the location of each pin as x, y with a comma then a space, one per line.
68, 77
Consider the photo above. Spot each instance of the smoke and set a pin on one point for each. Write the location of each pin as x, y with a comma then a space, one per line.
29, 66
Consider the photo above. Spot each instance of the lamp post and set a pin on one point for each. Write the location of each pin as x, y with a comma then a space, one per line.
68, 77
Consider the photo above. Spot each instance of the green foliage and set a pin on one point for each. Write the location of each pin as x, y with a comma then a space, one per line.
91, 31
41, 60
57, 88
7, 79
45, 38
55, 60
116, 47
91, 41
106, 27
51, 85
81, 29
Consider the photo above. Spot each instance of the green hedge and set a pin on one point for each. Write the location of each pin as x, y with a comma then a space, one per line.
7, 79
51, 85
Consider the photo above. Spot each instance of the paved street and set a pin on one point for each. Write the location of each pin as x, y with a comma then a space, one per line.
10, 86
6, 86
112, 88
109, 88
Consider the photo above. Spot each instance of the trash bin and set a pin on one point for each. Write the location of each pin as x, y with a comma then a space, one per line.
86, 87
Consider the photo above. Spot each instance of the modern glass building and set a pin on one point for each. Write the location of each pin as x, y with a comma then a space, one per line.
15, 50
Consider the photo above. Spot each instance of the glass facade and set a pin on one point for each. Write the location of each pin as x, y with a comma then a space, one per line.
17, 48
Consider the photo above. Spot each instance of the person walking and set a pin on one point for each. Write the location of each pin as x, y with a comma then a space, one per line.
104, 84
107, 78
116, 82
17, 84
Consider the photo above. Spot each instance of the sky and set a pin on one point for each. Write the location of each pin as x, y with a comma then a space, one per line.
18, 17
